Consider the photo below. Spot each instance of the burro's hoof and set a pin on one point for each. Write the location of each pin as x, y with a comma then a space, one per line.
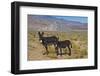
59, 57
44, 53
69, 54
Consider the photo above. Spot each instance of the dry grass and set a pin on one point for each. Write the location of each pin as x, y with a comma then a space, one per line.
78, 39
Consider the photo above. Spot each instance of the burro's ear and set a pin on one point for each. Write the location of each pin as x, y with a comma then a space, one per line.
42, 33
58, 38
39, 33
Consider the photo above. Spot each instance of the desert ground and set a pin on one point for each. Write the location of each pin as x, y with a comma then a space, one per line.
77, 38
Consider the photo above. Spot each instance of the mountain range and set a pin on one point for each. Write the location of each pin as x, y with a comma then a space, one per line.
51, 23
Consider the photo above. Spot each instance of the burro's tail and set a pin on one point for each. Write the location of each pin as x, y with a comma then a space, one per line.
71, 44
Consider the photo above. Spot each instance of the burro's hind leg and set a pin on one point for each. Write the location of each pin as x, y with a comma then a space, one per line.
69, 51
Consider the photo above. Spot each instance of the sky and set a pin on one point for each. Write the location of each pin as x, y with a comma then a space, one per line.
74, 18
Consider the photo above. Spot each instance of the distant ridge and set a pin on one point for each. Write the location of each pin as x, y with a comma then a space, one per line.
50, 23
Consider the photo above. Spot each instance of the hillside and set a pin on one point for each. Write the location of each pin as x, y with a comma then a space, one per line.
50, 23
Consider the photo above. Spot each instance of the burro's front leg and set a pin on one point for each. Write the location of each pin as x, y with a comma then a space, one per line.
47, 52
57, 50
60, 51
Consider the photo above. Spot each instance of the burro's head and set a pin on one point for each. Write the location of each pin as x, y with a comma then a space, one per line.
40, 36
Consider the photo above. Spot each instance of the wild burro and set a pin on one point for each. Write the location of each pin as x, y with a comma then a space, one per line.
63, 44
58, 45
52, 40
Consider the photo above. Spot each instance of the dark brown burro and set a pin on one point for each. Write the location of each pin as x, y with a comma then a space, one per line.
53, 40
